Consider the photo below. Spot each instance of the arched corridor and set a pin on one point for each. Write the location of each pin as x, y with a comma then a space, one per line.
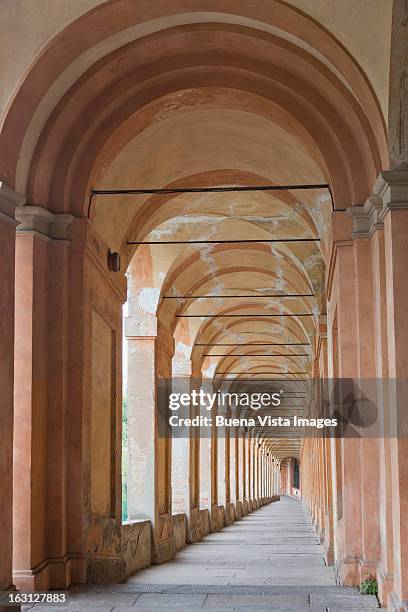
269, 560
203, 306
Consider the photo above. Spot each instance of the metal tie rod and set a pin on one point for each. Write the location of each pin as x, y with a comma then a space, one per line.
263, 295
255, 344
269, 373
216, 316
232, 188
247, 241
260, 355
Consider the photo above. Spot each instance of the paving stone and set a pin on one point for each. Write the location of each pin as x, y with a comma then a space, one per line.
164, 600
104, 599
342, 599
273, 602
83, 608
267, 561
171, 608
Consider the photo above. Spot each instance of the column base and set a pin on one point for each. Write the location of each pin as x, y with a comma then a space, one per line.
164, 551
230, 514
366, 569
194, 532
385, 585
347, 572
180, 529
78, 569
36, 579
164, 540
220, 517
329, 555
205, 523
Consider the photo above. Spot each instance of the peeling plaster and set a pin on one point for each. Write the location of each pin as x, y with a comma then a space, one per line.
183, 349
210, 371
148, 299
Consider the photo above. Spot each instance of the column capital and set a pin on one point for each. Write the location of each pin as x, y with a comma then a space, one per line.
33, 219
9, 201
366, 219
42, 221
60, 226
392, 189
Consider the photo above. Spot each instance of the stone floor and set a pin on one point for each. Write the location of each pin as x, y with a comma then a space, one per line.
270, 560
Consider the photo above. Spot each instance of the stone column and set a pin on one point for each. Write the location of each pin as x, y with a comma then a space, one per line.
366, 372
195, 525
209, 467
228, 461
248, 463
239, 473
258, 472
205, 465
343, 365
150, 350
243, 472
274, 489
393, 190
276, 477
251, 472
40, 379
9, 199
256, 484
30, 398
267, 474
229, 509
185, 465
271, 482
222, 467
214, 472
386, 564
233, 481
68, 349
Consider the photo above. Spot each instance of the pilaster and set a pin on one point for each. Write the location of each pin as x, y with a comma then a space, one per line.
39, 504
366, 220
392, 187
9, 200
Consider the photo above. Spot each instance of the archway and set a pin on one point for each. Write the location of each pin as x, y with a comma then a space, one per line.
176, 96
